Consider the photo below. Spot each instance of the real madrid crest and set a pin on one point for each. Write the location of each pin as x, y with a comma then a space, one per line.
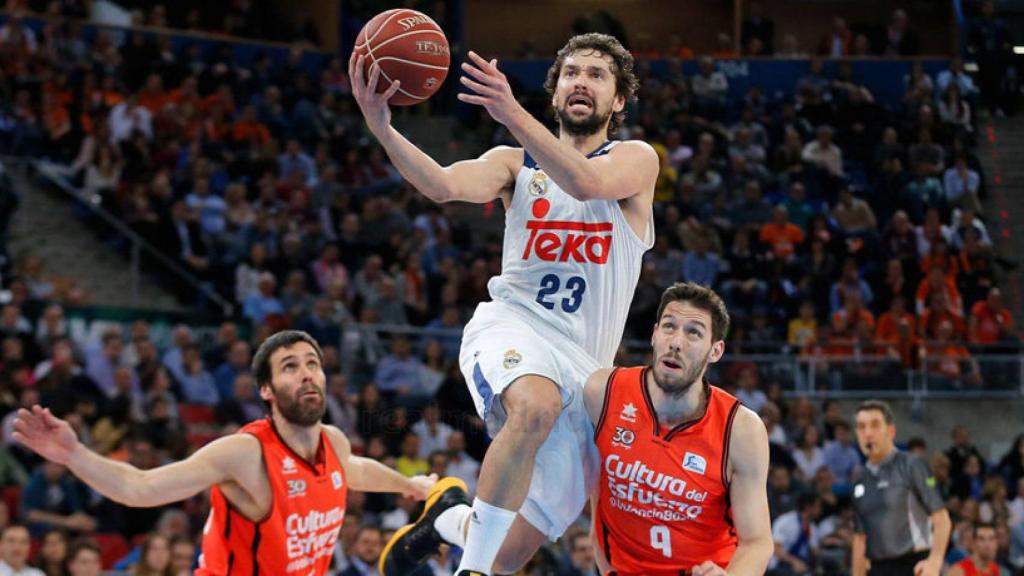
539, 184
512, 359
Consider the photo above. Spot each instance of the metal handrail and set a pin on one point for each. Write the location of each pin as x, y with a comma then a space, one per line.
139, 244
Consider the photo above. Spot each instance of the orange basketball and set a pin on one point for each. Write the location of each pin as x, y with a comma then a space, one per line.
409, 47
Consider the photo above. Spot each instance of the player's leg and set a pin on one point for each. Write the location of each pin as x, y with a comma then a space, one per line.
520, 545
532, 405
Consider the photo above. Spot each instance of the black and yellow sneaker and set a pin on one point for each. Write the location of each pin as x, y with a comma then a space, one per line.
413, 544
470, 573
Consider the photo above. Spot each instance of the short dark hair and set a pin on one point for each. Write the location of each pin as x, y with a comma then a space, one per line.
879, 405
700, 297
261, 369
983, 525
626, 83
79, 545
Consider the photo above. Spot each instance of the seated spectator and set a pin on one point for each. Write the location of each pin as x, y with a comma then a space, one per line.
900, 39
853, 317
398, 373
752, 210
887, 329
984, 547
703, 177
802, 329
977, 269
209, 207
849, 281
264, 303
409, 462
432, 432
939, 257
747, 389
823, 153
925, 152
937, 281
155, 557
294, 159
366, 551
249, 272
938, 310
841, 455
242, 406
932, 229
990, 320
460, 464
83, 559
808, 454
710, 87
955, 111
967, 219
701, 265
743, 145
52, 499
853, 215
796, 536
15, 545
961, 184
923, 192
949, 364
237, 363
197, 384
781, 236
955, 76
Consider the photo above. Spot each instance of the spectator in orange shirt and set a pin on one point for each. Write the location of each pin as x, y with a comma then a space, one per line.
945, 359
187, 92
153, 96
248, 129
887, 329
903, 344
853, 315
781, 235
938, 282
937, 311
990, 321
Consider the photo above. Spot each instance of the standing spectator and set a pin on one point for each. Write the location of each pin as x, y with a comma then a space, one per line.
758, 27
989, 41
900, 40
15, 545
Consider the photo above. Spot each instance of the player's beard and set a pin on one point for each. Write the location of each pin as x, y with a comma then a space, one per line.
298, 410
590, 124
678, 386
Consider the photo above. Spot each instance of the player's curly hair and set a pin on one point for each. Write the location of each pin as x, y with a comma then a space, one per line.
700, 297
626, 84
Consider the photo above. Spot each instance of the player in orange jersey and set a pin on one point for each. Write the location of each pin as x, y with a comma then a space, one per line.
684, 467
279, 485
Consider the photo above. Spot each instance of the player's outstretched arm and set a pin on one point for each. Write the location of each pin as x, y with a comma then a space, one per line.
369, 475
631, 168
478, 181
55, 440
748, 457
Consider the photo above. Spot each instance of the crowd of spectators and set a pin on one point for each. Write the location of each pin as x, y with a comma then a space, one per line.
830, 223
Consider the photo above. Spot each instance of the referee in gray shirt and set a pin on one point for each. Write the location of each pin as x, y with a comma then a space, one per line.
902, 524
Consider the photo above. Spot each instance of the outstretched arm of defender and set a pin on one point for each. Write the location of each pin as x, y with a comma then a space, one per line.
55, 440
369, 475
748, 456
478, 181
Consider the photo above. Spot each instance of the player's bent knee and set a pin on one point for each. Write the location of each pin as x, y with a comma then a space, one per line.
533, 405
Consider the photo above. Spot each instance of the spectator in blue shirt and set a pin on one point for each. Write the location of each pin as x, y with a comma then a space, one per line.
262, 304
295, 160
700, 265
398, 373
840, 455
52, 500
237, 363
197, 384
208, 206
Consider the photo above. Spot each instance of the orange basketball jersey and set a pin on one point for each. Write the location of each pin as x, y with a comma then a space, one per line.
663, 504
298, 534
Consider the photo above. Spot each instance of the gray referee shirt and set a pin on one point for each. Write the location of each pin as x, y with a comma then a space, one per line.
894, 502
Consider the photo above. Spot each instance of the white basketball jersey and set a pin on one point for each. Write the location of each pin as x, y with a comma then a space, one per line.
573, 265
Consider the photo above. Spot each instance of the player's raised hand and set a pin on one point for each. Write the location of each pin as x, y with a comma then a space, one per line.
708, 568
47, 435
373, 105
491, 87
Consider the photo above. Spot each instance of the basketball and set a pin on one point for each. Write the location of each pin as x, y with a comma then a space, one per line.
409, 47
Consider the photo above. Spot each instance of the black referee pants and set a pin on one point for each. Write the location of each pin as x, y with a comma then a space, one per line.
899, 566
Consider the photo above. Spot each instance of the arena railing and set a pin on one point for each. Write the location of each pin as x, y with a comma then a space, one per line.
1000, 368
137, 245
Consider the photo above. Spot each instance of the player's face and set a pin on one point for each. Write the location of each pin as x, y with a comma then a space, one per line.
683, 347
585, 96
874, 436
297, 384
986, 544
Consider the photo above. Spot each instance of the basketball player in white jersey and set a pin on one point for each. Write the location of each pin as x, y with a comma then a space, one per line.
578, 221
